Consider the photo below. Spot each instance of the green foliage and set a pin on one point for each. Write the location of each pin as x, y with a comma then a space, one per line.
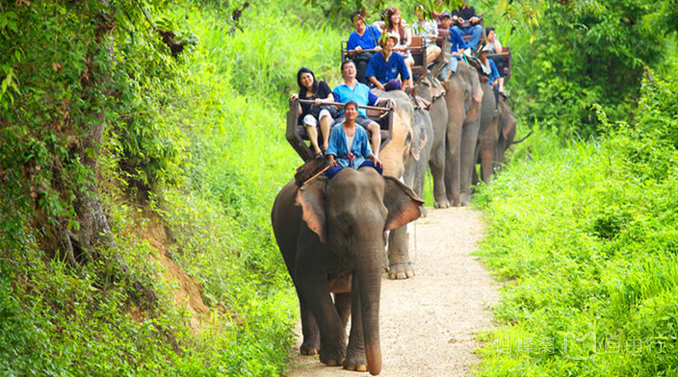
566, 58
585, 238
193, 135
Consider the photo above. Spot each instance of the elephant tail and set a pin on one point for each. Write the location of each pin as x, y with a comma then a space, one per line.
523, 139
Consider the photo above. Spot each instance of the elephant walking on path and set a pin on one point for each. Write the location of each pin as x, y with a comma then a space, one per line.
429, 324
495, 141
463, 99
330, 234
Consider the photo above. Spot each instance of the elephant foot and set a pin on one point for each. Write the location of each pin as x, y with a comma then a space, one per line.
356, 361
401, 270
333, 356
465, 200
441, 204
309, 348
308, 351
356, 367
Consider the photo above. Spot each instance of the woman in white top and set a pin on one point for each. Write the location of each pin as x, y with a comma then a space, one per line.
395, 26
494, 47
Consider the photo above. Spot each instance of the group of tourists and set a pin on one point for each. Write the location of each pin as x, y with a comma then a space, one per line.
385, 64
345, 144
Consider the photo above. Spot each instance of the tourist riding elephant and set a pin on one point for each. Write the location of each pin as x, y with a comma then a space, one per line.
330, 234
463, 100
431, 90
495, 141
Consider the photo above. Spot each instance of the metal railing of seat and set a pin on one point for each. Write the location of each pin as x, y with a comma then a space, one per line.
298, 139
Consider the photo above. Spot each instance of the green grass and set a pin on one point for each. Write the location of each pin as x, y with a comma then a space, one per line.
584, 237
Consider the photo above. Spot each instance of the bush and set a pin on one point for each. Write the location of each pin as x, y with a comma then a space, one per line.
585, 238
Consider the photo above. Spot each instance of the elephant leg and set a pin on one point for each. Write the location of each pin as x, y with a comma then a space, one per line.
355, 354
437, 164
420, 182
314, 290
309, 330
452, 165
342, 302
400, 266
467, 162
487, 163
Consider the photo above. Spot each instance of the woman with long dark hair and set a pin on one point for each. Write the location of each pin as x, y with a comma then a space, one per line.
316, 113
395, 26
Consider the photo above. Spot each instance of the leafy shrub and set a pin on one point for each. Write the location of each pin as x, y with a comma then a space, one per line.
586, 238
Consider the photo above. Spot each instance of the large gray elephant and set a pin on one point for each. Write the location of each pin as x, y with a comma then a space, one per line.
399, 262
431, 90
463, 100
420, 150
330, 234
489, 121
496, 140
397, 162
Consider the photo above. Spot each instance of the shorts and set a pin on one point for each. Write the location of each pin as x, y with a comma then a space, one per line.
311, 121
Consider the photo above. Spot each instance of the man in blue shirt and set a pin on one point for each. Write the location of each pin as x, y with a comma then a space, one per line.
364, 37
457, 47
386, 66
352, 90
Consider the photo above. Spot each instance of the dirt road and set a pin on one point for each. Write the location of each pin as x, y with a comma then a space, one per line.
427, 323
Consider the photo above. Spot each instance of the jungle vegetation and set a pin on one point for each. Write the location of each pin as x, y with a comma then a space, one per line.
141, 147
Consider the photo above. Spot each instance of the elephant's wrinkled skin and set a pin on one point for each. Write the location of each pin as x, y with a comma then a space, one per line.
330, 234
463, 99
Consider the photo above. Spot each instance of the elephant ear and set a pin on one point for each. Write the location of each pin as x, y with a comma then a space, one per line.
311, 199
476, 89
402, 203
508, 122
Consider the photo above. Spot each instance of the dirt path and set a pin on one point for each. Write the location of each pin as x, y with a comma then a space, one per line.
428, 322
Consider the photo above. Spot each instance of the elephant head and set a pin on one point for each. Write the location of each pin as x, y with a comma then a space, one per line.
349, 214
394, 154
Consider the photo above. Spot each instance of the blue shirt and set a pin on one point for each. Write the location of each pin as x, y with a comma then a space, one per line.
360, 93
457, 41
495, 72
385, 71
337, 146
367, 41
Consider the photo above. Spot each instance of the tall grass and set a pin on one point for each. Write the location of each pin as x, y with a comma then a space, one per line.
584, 237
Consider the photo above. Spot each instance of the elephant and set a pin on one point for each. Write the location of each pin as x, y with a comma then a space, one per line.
420, 150
431, 90
488, 125
495, 141
463, 99
396, 157
414, 176
330, 234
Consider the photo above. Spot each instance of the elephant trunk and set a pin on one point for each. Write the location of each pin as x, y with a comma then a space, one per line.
370, 292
